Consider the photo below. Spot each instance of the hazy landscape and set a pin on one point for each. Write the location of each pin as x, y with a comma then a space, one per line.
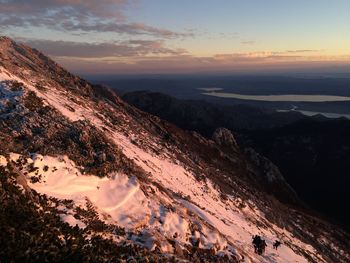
327, 96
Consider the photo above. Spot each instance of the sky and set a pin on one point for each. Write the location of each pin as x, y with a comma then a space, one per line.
109, 37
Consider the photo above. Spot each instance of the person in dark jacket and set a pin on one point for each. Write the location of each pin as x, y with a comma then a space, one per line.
276, 244
256, 242
262, 247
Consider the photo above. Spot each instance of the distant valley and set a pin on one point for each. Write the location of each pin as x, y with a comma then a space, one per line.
328, 96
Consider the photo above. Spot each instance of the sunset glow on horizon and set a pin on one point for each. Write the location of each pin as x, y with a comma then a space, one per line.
155, 36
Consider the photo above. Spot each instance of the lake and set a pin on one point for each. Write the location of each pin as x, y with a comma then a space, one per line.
289, 97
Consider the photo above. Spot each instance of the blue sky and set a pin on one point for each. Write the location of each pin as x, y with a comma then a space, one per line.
272, 24
155, 36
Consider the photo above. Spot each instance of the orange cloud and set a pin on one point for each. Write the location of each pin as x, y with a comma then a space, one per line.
229, 63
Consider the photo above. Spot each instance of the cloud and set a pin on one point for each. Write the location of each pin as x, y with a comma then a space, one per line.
77, 8
77, 16
185, 63
130, 48
302, 51
268, 55
258, 56
154, 56
248, 42
130, 28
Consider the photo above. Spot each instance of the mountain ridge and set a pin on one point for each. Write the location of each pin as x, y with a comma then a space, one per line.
184, 197
311, 152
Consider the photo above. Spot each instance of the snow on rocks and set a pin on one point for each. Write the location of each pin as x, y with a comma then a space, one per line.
120, 200
118, 196
53, 98
236, 225
3, 161
72, 221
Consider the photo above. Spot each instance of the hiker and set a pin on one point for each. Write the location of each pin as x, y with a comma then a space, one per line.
259, 245
256, 242
276, 244
262, 247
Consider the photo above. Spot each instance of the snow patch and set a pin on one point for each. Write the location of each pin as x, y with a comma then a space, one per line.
117, 195
72, 221
3, 161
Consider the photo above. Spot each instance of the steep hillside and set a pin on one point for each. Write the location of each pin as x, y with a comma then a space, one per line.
102, 176
315, 160
311, 152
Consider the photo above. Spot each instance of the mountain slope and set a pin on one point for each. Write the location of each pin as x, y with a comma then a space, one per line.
313, 153
315, 160
107, 166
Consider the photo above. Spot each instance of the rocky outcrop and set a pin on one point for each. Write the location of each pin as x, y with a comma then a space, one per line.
269, 175
224, 138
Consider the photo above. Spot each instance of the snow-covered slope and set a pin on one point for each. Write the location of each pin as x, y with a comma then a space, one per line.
120, 201
171, 190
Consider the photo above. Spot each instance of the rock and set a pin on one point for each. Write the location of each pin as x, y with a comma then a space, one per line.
178, 250
270, 171
224, 138
101, 157
269, 174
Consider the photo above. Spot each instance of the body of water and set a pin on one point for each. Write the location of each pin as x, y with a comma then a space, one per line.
279, 98
313, 113
210, 89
